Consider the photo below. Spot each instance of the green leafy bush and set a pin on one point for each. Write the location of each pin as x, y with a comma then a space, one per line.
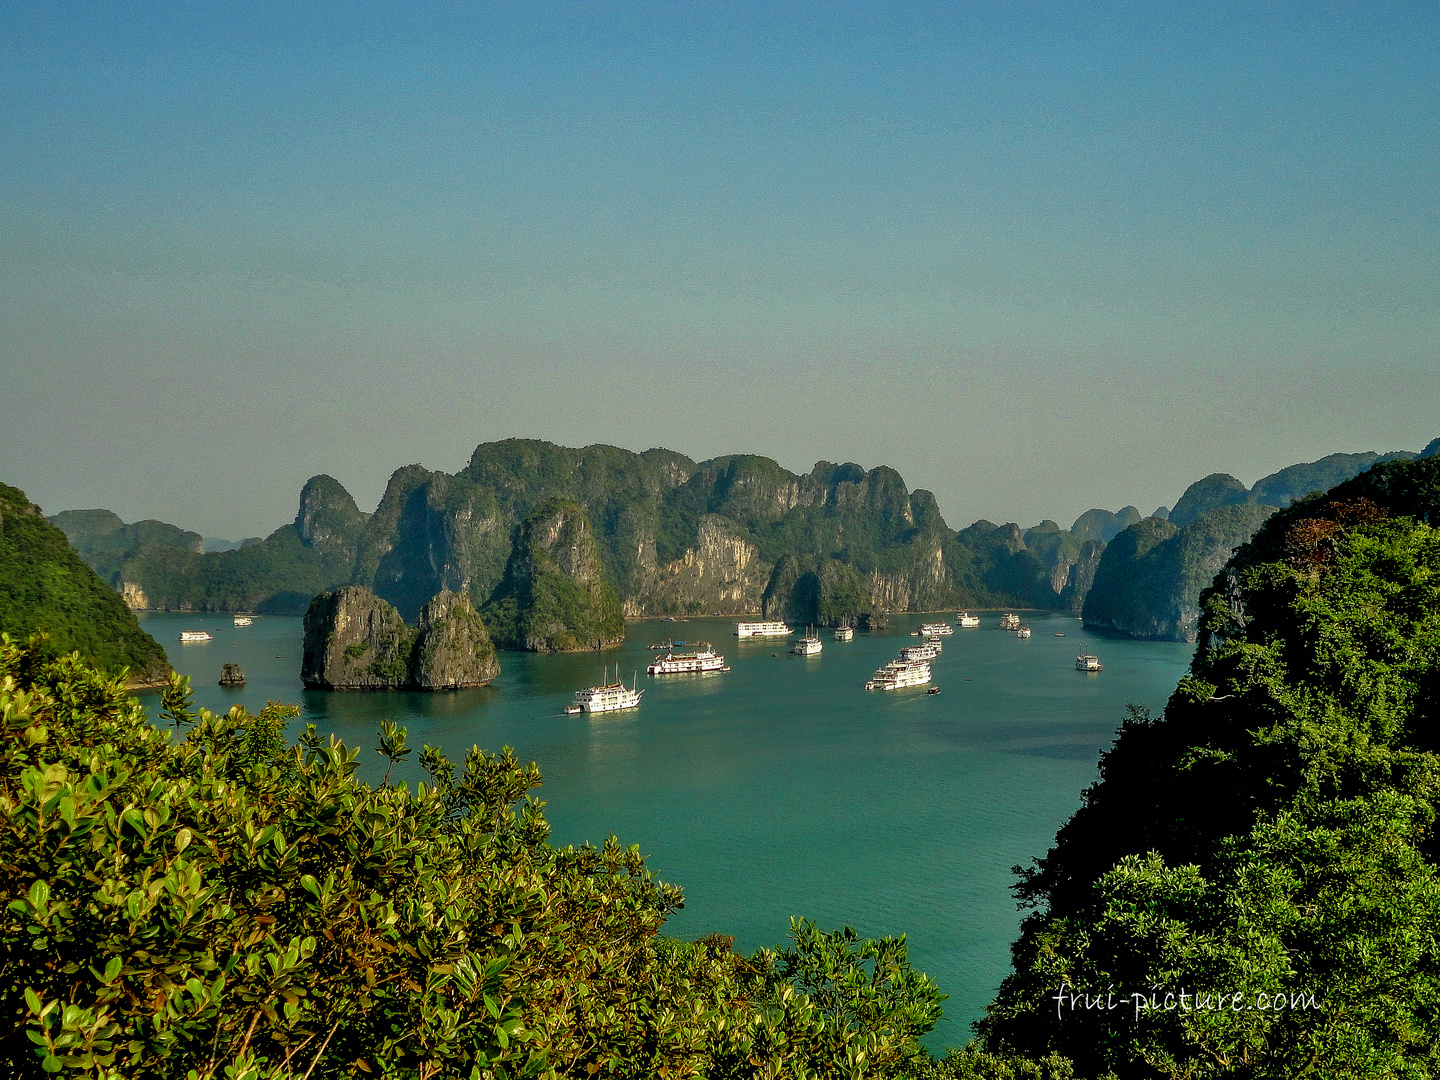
217, 902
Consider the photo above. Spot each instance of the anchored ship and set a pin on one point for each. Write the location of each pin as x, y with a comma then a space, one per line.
964, 618
773, 628
936, 629
928, 651
243, 620
809, 645
898, 674
194, 635
1009, 622
1023, 631
1086, 662
704, 658
844, 633
609, 697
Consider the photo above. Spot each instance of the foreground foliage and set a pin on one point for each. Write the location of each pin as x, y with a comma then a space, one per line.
1273, 833
215, 902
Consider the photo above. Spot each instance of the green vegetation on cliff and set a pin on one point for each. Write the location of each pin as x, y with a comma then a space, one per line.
230, 905
1149, 580
554, 596
45, 586
1273, 832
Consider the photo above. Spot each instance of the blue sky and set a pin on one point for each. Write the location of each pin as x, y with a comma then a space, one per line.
1039, 257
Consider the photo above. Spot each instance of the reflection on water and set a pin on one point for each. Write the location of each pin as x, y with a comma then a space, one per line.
780, 787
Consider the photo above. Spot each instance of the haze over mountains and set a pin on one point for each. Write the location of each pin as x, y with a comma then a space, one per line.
734, 534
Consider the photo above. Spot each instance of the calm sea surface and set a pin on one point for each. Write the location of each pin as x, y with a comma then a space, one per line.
781, 787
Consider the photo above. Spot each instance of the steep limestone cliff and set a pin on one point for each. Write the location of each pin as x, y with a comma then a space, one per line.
452, 649
1149, 580
355, 641
721, 574
554, 596
432, 532
328, 520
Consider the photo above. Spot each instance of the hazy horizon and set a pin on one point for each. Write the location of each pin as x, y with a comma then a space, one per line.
1038, 259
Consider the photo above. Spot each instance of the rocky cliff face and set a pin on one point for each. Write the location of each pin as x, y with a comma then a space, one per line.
452, 649
328, 520
432, 532
1150, 578
554, 596
355, 641
1081, 576
721, 574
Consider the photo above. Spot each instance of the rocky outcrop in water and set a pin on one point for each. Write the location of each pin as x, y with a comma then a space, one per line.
231, 675
452, 648
354, 640
554, 596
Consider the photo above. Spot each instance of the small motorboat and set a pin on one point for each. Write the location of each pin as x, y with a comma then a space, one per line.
572, 710
1058, 634
933, 690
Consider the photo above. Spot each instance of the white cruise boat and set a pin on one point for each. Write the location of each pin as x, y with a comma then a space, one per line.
964, 618
936, 629
194, 635
808, 645
243, 620
773, 628
704, 658
1023, 631
608, 698
844, 633
934, 643
1009, 622
1086, 662
928, 651
898, 674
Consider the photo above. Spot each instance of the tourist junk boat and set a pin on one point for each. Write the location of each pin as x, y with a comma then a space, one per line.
772, 628
964, 618
243, 620
936, 629
898, 674
704, 658
928, 651
1009, 622
610, 697
808, 645
1086, 662
195, 635
1023, 631
844, 633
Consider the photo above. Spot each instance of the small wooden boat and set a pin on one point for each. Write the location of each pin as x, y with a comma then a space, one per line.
933, 690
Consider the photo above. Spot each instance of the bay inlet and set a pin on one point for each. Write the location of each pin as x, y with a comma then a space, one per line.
781, 787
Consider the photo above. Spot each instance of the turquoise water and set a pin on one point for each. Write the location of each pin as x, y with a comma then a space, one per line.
781, 787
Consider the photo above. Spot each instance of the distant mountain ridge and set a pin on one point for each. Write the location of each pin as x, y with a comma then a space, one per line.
673, 536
